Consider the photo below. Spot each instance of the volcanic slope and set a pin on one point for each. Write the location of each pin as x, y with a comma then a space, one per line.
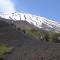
25, 47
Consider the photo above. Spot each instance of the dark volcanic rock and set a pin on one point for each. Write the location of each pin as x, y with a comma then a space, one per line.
27, 48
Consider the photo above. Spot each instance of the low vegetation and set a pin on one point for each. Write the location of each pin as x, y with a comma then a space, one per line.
42, 35
4, 50
39, 34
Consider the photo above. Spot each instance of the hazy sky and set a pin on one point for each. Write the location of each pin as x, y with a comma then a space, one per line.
45, 8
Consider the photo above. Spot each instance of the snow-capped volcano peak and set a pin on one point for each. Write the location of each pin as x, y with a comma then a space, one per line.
38, 21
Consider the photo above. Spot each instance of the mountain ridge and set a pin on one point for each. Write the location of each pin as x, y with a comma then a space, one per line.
37, 21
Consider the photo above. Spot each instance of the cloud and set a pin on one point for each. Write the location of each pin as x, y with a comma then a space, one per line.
7, 6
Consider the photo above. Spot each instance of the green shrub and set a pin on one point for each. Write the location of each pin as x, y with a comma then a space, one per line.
24, 31
42, 35
53, 37
18, 29
4, 50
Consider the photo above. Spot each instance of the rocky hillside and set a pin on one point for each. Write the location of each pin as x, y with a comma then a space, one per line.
38, 21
